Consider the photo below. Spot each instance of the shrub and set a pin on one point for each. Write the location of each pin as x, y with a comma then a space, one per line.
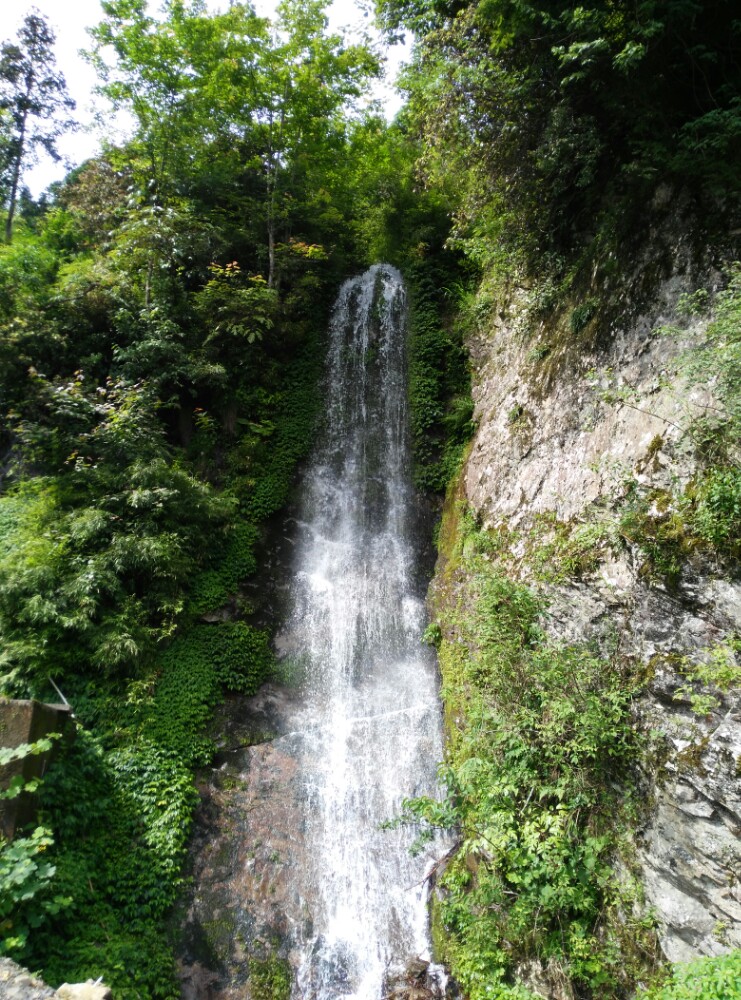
717, 978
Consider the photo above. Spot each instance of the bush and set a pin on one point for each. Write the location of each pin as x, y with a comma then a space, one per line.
716, 514
27, 898
717, 978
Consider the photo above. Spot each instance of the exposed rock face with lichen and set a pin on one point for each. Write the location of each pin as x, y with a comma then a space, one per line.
573, 420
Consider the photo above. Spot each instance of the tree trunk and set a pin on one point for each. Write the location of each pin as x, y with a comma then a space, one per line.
271, 248
15, 181
270, 190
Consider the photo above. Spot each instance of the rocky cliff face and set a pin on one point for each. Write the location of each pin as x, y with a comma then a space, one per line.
570, 425
17, 983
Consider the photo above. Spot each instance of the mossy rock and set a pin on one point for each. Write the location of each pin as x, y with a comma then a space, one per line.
270, 978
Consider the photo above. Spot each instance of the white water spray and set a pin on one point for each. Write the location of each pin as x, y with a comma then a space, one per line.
370, 729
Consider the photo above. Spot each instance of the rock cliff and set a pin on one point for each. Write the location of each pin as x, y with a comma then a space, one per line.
586, 449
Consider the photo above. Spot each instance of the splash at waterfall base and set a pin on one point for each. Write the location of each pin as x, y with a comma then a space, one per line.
298, 890
244, 857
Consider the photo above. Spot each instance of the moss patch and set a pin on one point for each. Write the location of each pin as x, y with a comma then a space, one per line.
270, 979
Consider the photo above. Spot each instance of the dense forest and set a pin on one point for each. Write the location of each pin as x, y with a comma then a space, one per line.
162, 323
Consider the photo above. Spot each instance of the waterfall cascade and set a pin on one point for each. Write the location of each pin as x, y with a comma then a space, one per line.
369, 726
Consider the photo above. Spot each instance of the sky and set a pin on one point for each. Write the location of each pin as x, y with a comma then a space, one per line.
70, 18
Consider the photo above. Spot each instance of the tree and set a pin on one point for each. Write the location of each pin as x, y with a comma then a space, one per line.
220, 94
309, 83
548, 112
32, 92
179, 77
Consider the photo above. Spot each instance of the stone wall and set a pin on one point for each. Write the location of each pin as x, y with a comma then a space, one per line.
25, 722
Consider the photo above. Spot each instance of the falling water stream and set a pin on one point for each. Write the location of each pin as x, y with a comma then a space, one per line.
369, 726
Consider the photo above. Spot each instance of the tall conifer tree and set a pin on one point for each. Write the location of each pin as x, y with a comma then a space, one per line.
32, 94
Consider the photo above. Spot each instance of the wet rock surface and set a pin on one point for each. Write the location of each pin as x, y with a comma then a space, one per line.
421, 980
246, 853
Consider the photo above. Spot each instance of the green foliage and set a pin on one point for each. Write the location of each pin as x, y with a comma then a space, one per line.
121, 822
27, 899
717, 978
295, 418
72, 594
238, 309
234, 556
716, 509
195, 669
548, 116
717, 672
253, 120
270, 979
27, 269
439, 385
540, 784
26, 873
432, 635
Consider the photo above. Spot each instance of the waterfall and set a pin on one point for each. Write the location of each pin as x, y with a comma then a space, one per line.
370, 722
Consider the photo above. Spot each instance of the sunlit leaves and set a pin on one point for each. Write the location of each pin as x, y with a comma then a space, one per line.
237, 308
96, 577
25, 890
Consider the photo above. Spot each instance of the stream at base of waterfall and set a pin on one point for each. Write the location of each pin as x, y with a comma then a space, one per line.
291, 861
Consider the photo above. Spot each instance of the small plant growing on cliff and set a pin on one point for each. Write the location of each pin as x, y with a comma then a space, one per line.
655, 521
515, 414
582, 314
432, 635
717, 978
719, 671
716, 516
270, 979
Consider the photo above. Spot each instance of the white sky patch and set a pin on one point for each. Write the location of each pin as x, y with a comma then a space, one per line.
69, 21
